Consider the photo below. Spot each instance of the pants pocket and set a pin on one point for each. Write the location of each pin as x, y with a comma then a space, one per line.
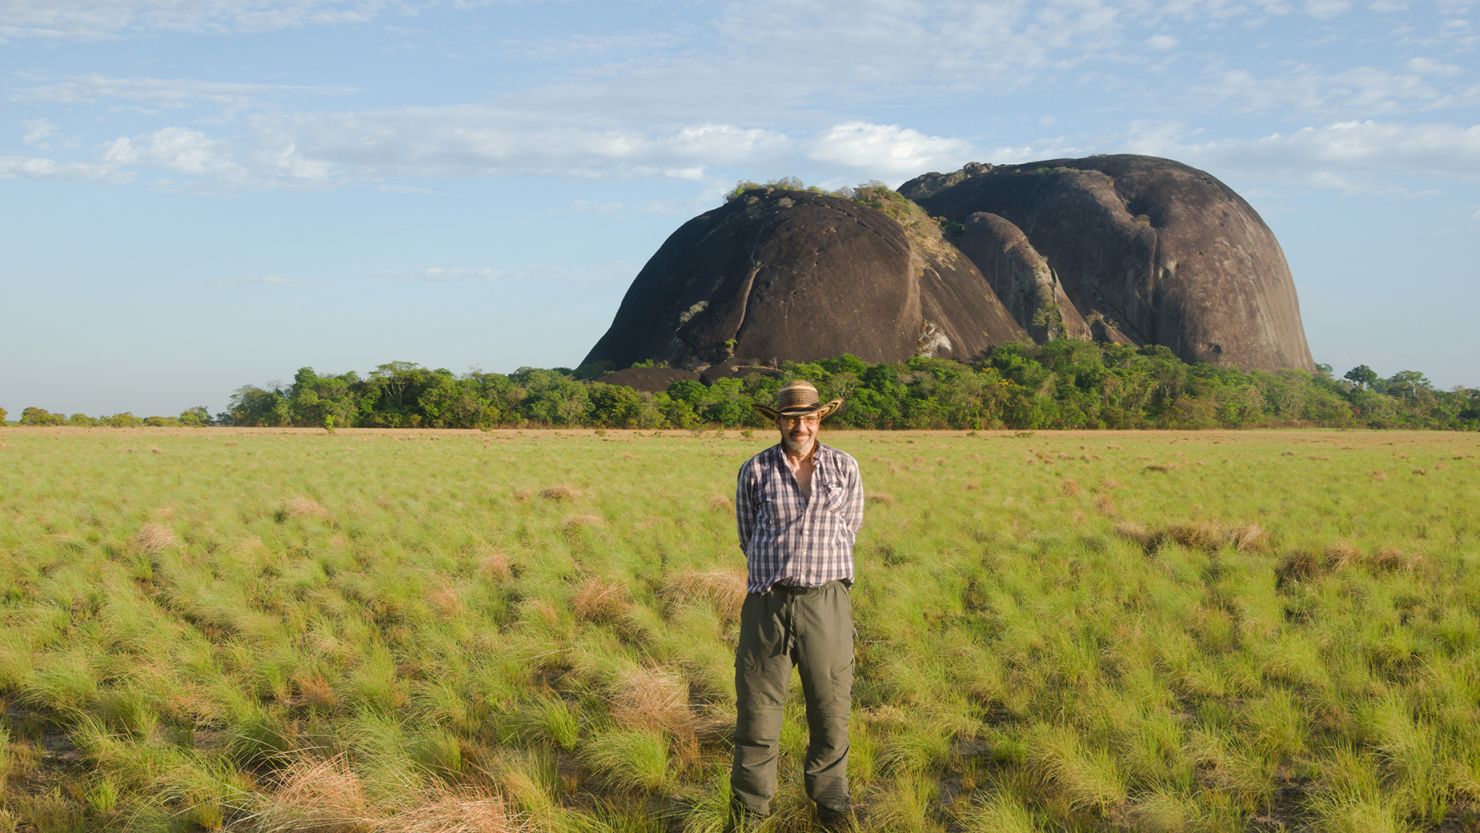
842, 683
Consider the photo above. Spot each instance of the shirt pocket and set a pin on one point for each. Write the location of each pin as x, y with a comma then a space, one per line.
777, 503
834, 497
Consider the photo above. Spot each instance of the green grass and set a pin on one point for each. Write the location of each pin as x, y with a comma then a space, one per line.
290, 630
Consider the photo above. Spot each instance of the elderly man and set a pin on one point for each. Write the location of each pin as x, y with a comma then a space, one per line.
799, 505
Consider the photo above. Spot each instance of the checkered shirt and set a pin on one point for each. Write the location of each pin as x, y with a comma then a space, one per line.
788, 539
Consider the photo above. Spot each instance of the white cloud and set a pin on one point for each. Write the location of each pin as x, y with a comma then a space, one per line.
285, 161
1363, 91
36, 133
1429, 66
1327, 8
1354, 157
177, 149
479, 140
1162, 43
99, 19
718, 143
167, 93
36, 167
887, 150
470, 141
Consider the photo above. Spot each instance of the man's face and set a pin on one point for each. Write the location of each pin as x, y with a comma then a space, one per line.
798, 432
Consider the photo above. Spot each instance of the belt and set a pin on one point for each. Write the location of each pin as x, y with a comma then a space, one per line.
800, 589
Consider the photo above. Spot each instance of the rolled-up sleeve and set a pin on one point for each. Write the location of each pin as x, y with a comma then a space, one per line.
745, 503
853, 505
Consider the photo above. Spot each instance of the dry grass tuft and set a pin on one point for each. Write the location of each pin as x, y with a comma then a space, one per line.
315, 691
576, 523
1136, 532
155, 538
880, 498
559, 492
544, 609
1211, 537
1306, 564
1163, 468
600, 601
1207, 537
1389, 559
445, 601
303, 507
1070, 487
721, 588
1301, 565
1341, 555
320, 795
456, 812
654, 698
326, 796
496, 566
720, 503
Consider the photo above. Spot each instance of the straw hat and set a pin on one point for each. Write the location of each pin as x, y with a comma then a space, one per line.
798, 398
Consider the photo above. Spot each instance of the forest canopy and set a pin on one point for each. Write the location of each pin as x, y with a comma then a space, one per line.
1061, 384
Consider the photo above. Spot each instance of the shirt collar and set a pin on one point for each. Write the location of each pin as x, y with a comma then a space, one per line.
818, 453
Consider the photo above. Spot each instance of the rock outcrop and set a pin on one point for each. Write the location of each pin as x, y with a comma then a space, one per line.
778, 274
1021, 278
1125, 249
1135, 248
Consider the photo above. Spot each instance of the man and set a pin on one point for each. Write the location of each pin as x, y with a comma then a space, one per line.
798, 505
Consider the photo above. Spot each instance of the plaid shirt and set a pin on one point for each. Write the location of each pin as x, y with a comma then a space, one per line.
791, 540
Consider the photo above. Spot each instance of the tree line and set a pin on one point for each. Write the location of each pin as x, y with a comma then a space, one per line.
1061, 384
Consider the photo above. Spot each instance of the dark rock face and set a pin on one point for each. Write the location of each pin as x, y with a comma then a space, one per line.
797, 275
1145, 250
650, 379
1021, 278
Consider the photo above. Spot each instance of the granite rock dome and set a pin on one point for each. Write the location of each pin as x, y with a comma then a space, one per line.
1125, 249
1143, 250
779, 274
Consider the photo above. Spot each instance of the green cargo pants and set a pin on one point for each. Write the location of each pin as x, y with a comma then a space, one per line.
811, 627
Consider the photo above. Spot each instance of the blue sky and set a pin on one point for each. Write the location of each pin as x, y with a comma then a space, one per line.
197, 196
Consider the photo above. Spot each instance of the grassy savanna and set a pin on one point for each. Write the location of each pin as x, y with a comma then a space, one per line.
446, 631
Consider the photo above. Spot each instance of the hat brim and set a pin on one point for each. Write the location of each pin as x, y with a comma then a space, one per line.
821, 410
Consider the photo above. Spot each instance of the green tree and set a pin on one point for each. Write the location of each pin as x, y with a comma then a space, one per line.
725, 403
615, 406
1469, 407
473, 401
552, 398
1362, 376
1410, 386
2, 416
197, 417
392, 395
40, 416
254, 406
